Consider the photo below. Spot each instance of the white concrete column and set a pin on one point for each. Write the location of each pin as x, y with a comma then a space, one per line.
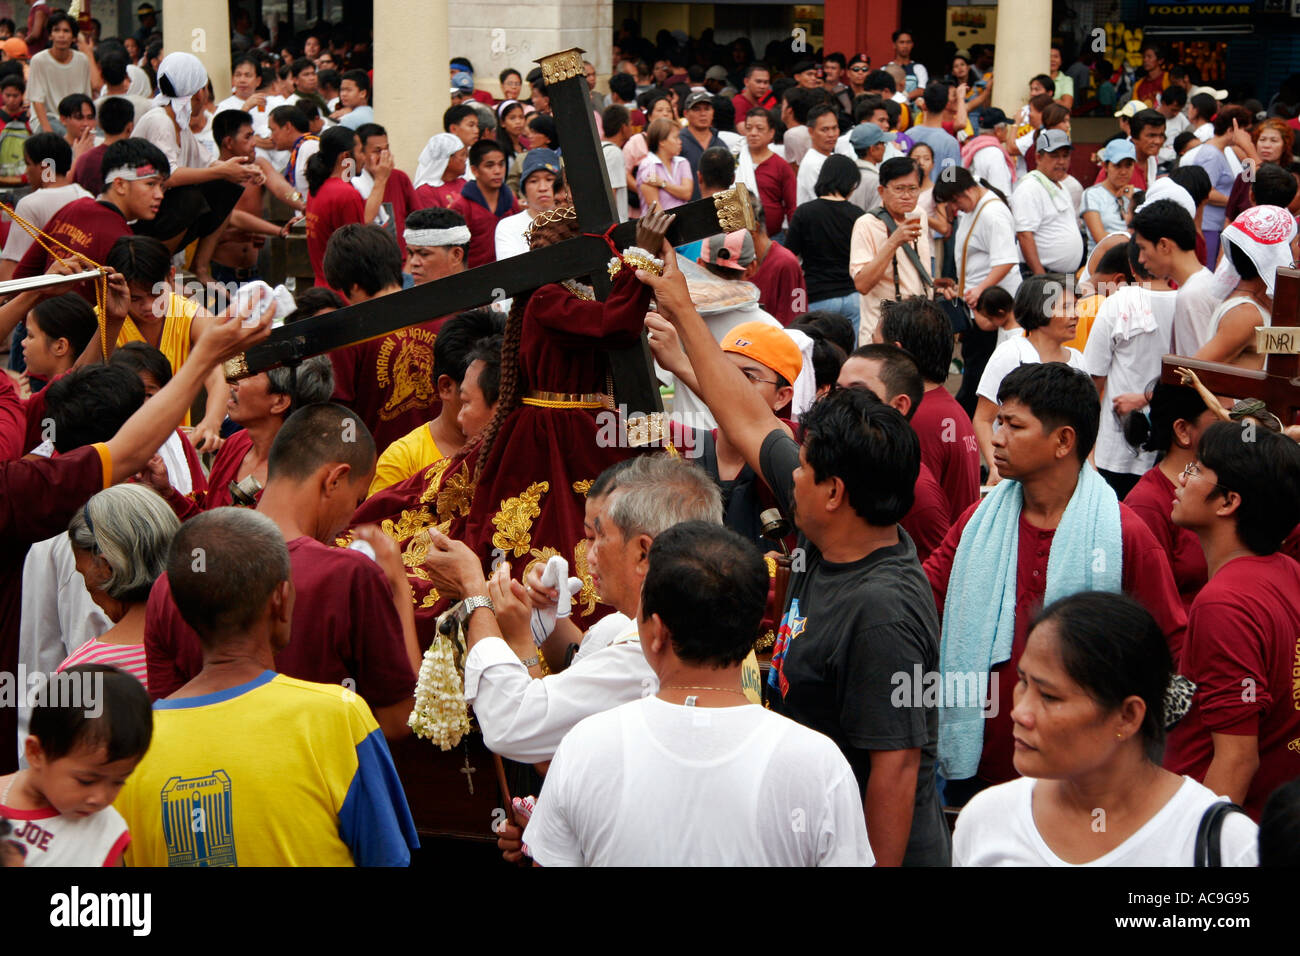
495, 34
412, 78
201, 27
1022, 49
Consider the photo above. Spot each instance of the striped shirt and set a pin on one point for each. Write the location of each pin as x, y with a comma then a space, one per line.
127, 657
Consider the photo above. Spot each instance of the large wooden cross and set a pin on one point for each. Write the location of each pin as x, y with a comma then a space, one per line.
586, 255
1277, 385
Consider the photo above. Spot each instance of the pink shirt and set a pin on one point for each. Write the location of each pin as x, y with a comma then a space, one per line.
127, 657
680, 173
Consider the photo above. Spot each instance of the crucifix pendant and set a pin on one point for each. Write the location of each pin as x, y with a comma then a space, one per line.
469, 771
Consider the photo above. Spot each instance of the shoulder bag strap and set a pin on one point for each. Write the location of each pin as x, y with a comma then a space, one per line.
913, 256
1208, 851
965, 247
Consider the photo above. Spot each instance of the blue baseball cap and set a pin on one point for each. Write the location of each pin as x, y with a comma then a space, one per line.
538, 161
1118, 150
462, 83
865, 135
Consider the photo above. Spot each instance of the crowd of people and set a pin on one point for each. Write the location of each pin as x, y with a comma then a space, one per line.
930, 563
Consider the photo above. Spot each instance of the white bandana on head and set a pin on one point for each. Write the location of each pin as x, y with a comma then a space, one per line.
1168, 189
185, 73
433, 159
454, 236
1263, 234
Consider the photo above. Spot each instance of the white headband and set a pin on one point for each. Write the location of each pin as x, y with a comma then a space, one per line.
455, 236
131, 173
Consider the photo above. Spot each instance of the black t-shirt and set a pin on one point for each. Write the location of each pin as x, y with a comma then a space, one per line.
857, 637
820, 233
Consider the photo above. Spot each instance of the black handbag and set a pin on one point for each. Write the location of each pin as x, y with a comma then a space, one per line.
1207, 851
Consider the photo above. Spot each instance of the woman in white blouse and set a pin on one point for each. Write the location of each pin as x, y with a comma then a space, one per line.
1045, 311
1089, 725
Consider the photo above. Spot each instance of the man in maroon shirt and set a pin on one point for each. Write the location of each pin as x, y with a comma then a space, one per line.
388, 381
354, 619
757, 93
893, 377
134, 172
397, 195
1242, 735
485, 201
38, 496
782, 291
948, 445
1048, 416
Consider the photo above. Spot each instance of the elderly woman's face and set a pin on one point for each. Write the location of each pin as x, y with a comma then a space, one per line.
1270, 145
95, 572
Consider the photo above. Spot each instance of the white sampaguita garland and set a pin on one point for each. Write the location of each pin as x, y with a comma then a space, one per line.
441, 714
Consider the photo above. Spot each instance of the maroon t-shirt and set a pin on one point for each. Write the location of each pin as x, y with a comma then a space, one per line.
741, 103
1152, 498
779, 278
777, 191
13, 422
335, 204
928, 520
87, 226
1146, 578
38, 497
345, 627
1242, 652
400, 194
482, 221
389, 381
441, 196
88, 171
949, 448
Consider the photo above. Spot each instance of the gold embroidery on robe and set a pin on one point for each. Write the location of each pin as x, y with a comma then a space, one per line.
514, 521
584, 486
771, 565
434, 476
587, 597
456, 496
539, 557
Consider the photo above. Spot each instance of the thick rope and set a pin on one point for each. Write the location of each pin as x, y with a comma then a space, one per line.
45, 241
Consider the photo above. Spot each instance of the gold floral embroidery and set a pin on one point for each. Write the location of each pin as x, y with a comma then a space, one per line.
584, 486
514, 521
456, 496
434, 475
771, 565
587, 596
410, 523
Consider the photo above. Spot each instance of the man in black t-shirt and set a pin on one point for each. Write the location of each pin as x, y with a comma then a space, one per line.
859, 642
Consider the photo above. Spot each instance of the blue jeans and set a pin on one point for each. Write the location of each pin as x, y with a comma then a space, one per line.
849, 306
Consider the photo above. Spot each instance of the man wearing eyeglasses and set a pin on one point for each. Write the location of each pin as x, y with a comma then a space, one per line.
882, 267
1241, 496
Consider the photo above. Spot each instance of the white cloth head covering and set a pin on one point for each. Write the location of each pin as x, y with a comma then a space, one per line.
433, 158
1264, 234
187, 76
805, 386
1168, 189
139, 82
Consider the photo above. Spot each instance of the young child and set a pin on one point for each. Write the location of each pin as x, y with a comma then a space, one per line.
79, 753
58, 331
992, 315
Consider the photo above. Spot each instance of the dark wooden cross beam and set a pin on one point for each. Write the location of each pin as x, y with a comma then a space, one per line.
586, 255
1277, 385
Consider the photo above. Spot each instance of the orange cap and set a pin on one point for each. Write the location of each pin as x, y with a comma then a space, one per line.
15, 48
768, 345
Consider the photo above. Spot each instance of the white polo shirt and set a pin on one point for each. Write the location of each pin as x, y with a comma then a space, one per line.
1052, 223
993, 243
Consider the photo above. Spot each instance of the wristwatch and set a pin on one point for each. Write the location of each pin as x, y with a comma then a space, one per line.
472, 604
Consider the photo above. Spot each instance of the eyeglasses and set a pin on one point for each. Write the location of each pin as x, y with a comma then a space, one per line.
1193, 470
753, 377
904, 190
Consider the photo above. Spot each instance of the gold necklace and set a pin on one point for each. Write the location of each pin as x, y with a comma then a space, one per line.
725, 690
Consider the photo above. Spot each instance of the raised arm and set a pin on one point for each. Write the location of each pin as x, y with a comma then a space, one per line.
144, 432
739, 409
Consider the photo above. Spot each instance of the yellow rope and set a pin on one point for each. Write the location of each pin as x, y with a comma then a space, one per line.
44, 240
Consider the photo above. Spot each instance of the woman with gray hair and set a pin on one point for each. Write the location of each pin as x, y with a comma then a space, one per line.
119, 542
260, 403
